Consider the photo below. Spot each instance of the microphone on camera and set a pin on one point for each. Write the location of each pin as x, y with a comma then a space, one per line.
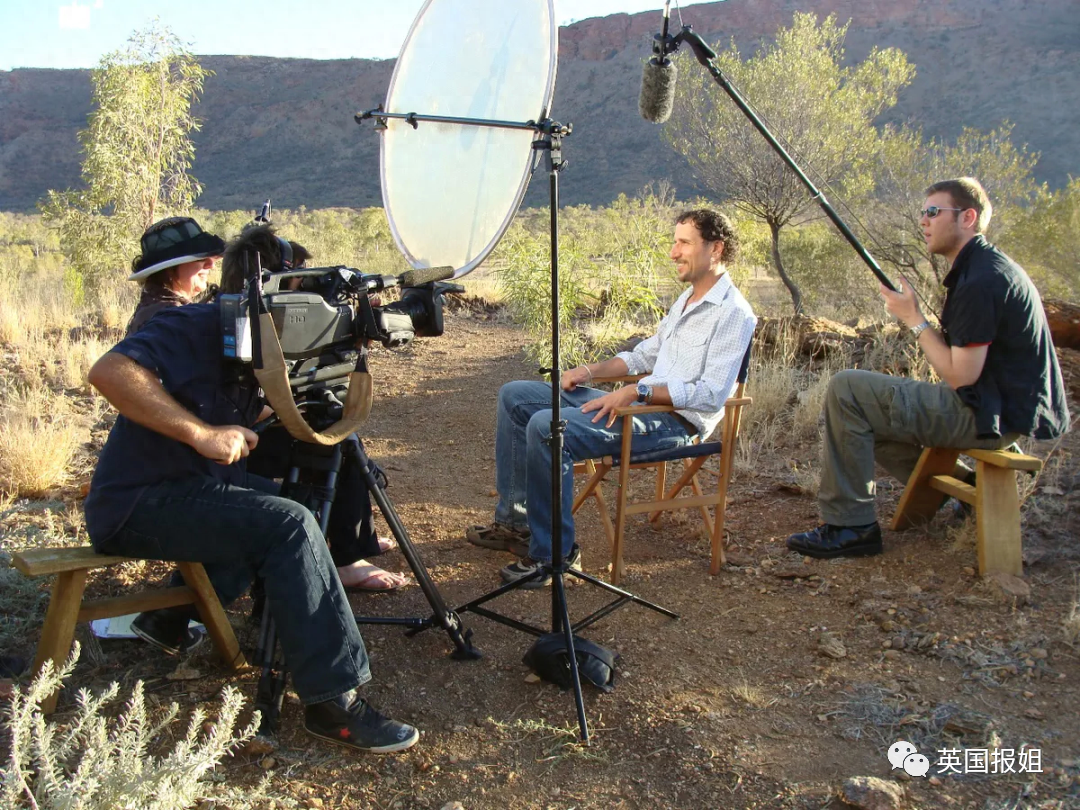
658, 77
425, 275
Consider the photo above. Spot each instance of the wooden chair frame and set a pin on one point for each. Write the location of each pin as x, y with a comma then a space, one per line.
666, 498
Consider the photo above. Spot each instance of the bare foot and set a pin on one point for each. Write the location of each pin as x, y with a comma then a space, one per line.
387, 544
363, 576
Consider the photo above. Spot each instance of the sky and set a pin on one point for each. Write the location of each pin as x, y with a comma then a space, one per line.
77, 33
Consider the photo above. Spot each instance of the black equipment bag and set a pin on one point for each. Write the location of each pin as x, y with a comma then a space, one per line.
549, 659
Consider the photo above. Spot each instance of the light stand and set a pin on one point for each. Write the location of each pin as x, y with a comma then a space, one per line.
549, 140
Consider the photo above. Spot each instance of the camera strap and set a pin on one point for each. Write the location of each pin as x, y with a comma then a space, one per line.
272, 372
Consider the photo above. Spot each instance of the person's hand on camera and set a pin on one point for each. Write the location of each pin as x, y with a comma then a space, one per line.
606, 405
226, 444
573, 377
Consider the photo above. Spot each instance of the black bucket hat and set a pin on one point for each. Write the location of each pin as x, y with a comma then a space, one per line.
173, 241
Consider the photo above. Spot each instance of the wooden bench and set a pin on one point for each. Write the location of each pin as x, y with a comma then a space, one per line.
994, 497
67, 608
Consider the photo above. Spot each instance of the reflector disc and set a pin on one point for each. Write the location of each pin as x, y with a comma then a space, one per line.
451, 190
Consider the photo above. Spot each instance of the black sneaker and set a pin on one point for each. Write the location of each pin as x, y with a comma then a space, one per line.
350, 721
168, 631
527, 565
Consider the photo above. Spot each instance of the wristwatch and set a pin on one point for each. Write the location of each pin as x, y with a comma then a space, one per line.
644, 393
920, 328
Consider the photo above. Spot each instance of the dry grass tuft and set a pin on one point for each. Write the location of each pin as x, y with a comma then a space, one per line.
750, 694
39, 438
76, 361
807, 478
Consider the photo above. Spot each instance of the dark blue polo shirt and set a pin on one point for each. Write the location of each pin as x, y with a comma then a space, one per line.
991, 301
183, 347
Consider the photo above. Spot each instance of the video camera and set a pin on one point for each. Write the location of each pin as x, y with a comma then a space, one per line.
324, 316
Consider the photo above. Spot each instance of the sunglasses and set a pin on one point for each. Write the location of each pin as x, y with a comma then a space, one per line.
932, 211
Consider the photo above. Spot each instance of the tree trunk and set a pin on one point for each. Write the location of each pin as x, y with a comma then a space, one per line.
778, 263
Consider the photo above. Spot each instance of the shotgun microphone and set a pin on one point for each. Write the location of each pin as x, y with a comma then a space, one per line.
657, 90
658, 78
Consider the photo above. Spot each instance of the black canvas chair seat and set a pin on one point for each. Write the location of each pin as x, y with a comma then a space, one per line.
692, 450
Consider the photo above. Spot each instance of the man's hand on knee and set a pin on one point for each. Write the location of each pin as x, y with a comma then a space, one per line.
606, 405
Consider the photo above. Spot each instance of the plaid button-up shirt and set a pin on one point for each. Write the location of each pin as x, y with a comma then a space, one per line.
697, 352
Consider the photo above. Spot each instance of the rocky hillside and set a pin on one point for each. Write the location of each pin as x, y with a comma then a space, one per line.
284, 128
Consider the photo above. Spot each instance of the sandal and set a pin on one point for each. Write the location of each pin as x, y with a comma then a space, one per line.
375, 580
500, 537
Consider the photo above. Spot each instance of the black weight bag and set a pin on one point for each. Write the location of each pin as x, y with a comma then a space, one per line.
549, 659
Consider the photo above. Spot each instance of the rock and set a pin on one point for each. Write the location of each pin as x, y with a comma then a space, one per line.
453, 806
739, 560
871, 793
1008, 588
184, 673
1063, 318
532, 677
789, 572
1033, 714
267, 763
831, 646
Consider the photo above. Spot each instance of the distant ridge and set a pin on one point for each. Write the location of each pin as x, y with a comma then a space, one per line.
283, 127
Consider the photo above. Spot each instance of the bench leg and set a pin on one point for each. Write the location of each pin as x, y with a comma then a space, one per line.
997, 520
919, 502
212, 615
58, 631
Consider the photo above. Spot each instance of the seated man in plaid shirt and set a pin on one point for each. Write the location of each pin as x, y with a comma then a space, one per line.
692, 362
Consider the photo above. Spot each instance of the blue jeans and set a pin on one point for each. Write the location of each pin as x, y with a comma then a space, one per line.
523, 455
239, 533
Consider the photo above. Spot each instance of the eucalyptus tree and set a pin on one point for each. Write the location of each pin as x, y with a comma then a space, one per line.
137, 155
823, 109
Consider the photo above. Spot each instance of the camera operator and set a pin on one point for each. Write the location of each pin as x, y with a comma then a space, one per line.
172, 484
168, 278
351, 532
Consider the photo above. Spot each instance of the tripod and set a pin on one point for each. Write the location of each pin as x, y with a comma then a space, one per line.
327, 461
550, 142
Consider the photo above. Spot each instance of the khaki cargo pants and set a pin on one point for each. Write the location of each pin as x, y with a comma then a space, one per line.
875, 417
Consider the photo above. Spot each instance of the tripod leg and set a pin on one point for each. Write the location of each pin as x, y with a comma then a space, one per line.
442, 615
270, 693
559, 598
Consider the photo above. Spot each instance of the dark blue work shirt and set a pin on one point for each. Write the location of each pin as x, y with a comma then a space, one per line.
990, 301
183, 347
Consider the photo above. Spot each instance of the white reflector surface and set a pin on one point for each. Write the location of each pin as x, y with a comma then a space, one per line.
450, 190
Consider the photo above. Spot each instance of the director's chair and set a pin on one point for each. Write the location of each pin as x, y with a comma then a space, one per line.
666, 498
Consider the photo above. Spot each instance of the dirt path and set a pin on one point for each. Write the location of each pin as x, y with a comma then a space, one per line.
739, 704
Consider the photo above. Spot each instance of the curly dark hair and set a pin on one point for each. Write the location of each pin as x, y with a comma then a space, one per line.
261, 239
713, 227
